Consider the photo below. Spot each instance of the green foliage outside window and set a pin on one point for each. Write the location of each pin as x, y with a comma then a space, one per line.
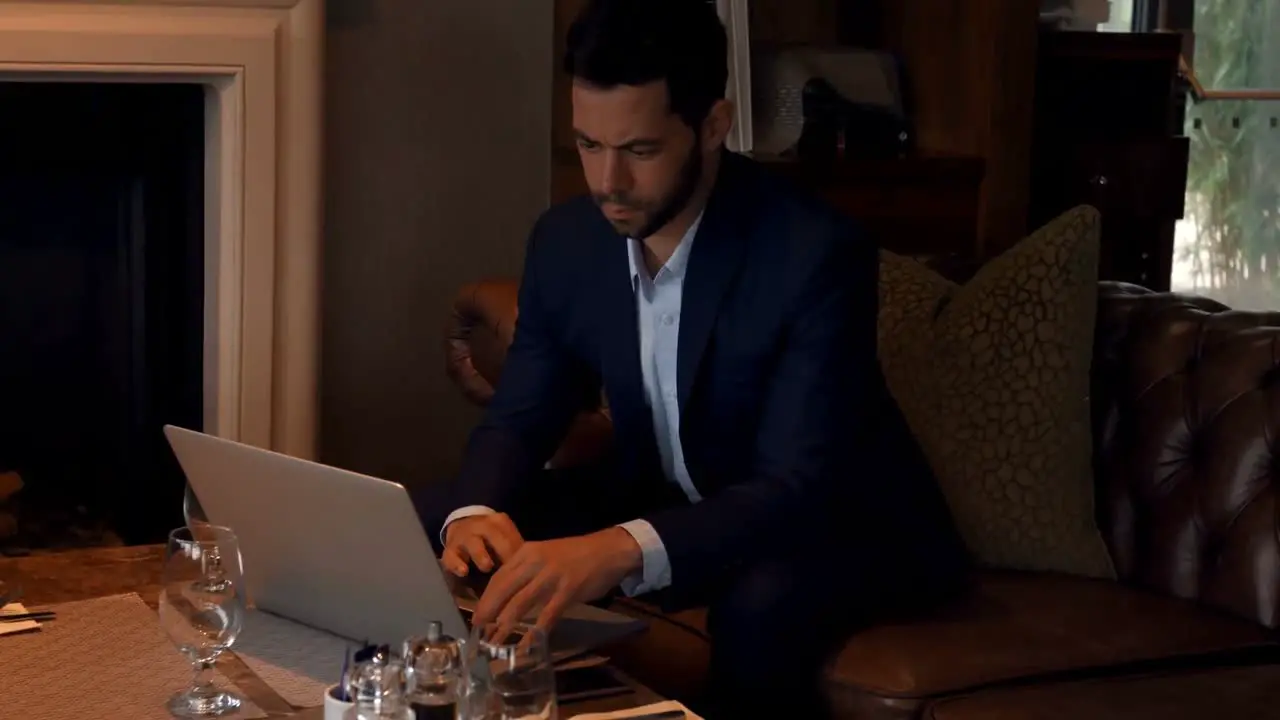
1230, 241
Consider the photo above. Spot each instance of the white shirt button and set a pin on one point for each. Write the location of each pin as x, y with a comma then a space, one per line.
668, 319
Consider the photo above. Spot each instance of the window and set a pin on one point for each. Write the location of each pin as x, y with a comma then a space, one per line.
1228, 244
1121, 17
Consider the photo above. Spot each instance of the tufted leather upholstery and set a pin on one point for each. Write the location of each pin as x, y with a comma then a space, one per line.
1186, 404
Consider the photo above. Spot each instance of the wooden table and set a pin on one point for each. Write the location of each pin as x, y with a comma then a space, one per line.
47, 579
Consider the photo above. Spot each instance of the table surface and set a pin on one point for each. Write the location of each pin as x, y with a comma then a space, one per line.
46, 579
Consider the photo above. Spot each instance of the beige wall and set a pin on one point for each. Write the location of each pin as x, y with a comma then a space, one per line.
438, 131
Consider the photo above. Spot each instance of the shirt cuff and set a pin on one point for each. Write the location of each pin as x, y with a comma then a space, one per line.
463, 512
656, 572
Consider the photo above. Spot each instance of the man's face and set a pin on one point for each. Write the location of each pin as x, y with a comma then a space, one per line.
642, 163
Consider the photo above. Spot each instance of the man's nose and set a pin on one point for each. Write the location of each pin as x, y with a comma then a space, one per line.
616, 179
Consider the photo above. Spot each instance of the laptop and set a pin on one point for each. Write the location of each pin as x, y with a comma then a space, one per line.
340, 551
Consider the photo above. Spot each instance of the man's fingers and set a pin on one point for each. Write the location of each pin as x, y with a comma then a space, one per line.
503, 543
519, 606
478, 552
452, 559
552, 611
504, 584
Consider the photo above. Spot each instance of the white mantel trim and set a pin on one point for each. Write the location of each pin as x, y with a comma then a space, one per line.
261, 62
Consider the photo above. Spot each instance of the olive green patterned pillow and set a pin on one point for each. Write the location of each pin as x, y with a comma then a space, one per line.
993, 378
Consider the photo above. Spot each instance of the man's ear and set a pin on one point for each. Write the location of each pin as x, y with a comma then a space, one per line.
718, 124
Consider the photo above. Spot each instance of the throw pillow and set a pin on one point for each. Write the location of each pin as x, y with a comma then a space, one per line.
993, 378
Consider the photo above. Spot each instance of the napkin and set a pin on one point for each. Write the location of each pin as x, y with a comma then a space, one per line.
8, 628
639, 712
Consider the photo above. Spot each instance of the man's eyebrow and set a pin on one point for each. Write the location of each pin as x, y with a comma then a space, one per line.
637, 143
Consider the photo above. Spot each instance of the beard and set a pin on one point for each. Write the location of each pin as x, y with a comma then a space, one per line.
652, 215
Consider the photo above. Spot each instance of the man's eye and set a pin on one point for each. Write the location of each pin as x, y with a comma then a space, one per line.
644, 153
588, 145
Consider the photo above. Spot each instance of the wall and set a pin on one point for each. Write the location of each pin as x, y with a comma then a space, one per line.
438, 118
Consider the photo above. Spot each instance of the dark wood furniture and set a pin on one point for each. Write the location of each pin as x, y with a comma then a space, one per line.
1108, 132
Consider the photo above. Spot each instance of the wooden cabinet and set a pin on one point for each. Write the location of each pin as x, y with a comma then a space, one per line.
1107, 132
925, 206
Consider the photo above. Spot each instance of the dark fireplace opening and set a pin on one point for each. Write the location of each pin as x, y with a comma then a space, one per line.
101, 308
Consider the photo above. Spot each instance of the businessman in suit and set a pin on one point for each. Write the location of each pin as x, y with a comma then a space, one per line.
730, 319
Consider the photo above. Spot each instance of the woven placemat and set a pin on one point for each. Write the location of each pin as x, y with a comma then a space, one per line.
296, 661
101, 658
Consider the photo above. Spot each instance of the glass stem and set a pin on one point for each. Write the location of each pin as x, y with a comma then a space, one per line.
203, 679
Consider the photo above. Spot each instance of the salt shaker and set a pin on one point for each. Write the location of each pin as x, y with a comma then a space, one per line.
378, 690
433, 672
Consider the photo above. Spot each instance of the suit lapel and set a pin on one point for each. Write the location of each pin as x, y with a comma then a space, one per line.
620, 341
714, 261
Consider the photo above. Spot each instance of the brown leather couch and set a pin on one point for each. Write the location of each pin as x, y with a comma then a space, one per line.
1187, 413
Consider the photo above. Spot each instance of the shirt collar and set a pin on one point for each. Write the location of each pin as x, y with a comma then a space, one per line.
675, 264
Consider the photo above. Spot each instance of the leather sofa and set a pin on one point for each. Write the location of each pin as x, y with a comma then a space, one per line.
1186, 404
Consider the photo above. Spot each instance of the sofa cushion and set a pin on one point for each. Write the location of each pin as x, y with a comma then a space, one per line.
1238, 693
1016, 626
993, 378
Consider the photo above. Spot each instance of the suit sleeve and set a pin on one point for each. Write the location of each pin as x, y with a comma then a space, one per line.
814, 408
541, 389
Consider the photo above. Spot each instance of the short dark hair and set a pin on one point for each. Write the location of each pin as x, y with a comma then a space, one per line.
636, 42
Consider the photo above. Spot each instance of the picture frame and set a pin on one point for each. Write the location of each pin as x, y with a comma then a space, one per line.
736, 18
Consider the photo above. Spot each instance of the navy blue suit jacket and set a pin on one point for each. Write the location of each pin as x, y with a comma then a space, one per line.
778, 380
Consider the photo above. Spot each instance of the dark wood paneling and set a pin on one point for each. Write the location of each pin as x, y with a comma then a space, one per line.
1107, 132
971, 75
788, 22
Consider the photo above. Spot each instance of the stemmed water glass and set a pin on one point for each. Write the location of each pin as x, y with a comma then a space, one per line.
202, 609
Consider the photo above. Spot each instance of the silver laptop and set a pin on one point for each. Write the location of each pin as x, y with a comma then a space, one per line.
340, 551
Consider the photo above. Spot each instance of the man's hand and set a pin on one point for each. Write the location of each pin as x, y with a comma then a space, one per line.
478, 539
554, 574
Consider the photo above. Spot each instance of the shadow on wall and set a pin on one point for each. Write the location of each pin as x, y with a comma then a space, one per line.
438, 125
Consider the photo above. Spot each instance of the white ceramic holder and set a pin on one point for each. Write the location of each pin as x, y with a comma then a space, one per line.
335, 709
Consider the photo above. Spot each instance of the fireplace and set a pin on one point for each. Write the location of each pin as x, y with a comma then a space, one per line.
101, 303
177, 235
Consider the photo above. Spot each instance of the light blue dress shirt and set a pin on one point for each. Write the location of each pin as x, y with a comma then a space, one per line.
658, 299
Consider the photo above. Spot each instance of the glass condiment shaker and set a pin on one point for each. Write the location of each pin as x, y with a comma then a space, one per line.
377, 689
433, 673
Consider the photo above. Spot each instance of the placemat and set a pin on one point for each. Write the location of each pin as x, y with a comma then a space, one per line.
101, 658
295, 660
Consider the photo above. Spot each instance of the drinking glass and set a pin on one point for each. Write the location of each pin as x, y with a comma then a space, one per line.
202, 610
508, 677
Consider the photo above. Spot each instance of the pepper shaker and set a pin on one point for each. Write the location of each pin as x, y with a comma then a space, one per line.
433, 673
378, 690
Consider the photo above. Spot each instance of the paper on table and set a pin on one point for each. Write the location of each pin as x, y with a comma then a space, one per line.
8, 628
636, 712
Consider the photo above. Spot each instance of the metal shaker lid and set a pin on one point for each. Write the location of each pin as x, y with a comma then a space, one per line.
432, 658
379, 685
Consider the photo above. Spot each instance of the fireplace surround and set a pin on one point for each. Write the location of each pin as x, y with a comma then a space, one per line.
259, 63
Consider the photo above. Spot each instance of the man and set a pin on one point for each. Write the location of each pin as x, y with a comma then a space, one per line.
731, 321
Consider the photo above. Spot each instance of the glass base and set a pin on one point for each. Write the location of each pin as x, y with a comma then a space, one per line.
203, 703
